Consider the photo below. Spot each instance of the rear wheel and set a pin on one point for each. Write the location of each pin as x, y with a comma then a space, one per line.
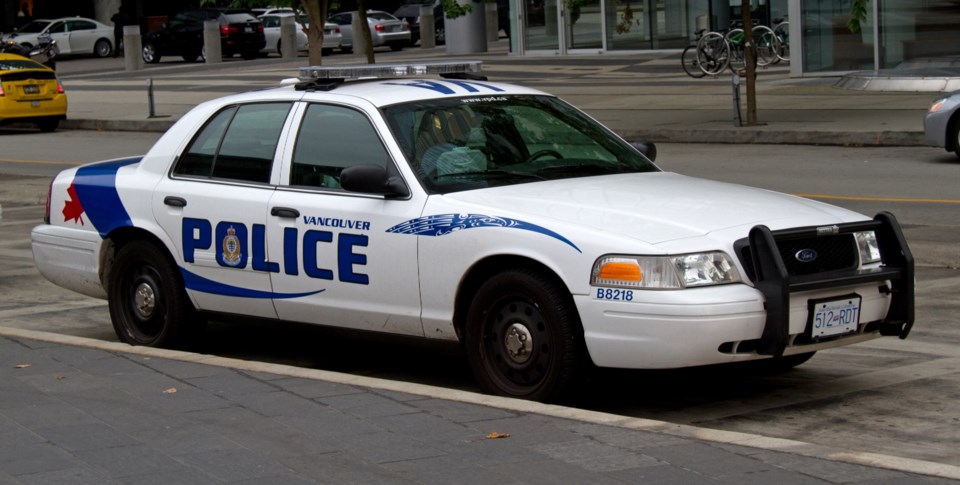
713, 53
147, 301
191, 56
396, 46
102, 48
150, 53
249, 55
524, 338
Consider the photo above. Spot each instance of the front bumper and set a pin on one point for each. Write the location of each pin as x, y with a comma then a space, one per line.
737, 322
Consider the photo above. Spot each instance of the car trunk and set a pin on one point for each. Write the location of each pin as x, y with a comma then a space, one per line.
27, 92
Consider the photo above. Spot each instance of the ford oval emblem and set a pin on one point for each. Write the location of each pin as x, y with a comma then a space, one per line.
806, 255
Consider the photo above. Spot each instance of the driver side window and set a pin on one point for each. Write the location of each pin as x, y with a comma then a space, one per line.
332, 138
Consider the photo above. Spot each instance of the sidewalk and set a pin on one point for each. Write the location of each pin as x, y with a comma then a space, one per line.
641, 96
75, 410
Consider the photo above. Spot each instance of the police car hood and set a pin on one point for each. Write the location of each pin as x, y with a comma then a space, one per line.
651, 207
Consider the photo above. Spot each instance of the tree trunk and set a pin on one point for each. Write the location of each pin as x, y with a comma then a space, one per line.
365, 31
316, 17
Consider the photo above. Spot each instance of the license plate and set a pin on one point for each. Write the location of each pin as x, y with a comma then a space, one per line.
35, 104
31, 89
248, 29
834, 317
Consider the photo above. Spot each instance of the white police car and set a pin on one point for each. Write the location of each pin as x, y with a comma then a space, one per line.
460, 209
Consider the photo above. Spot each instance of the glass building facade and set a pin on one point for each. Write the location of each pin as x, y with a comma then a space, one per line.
894, 31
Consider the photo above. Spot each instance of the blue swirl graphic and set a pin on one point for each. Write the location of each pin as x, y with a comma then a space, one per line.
443, 224
196, 282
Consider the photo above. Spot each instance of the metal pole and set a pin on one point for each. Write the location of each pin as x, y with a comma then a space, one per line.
153, 111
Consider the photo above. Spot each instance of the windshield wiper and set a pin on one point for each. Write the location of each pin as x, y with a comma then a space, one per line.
588, 168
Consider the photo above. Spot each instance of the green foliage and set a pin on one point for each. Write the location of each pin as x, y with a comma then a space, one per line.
858, 15
453, 9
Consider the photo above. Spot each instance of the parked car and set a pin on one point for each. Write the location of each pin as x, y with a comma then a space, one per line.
271, 31
410, 12
74, 35
385, 29
941, 125
240, 33
423, 200
30, 93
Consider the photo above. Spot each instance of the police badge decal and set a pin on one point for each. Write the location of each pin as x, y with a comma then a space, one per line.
231, 248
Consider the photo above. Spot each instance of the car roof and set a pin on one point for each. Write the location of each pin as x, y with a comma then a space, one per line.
386, 92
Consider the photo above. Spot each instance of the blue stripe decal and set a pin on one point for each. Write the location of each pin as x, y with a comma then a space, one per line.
96, 187
198, 283
443, 224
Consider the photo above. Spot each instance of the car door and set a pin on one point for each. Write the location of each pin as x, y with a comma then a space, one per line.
334, 246
213, 208
83, 35
58, 32
271, 31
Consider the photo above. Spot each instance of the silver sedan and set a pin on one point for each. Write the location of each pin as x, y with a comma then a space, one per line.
271, 31
942, 123
385, 29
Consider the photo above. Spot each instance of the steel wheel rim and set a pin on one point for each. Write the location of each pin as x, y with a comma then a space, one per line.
516, 345
144, 302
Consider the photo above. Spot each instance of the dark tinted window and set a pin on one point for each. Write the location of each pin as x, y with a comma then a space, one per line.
330, 139
238, 143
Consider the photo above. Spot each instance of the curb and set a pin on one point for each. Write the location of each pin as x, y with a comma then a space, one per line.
888, 462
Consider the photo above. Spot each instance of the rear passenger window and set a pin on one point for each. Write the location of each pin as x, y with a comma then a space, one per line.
238, 143
332, 138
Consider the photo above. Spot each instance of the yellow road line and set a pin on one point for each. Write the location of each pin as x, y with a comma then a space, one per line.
880, 199
42, 162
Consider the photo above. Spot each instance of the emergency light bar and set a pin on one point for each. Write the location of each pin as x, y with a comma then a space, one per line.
368, 71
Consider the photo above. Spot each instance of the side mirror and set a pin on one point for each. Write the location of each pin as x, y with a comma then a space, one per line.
372, 179
647, 148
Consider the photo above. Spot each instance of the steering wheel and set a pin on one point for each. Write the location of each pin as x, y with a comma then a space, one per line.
542, 153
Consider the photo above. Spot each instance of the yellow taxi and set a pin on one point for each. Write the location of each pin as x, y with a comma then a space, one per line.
30, 93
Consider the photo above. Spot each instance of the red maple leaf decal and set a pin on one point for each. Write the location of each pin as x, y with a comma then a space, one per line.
72, 210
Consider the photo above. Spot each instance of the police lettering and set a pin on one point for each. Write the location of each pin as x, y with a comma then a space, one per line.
231, 243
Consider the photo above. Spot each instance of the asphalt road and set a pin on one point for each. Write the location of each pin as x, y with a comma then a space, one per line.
888, 396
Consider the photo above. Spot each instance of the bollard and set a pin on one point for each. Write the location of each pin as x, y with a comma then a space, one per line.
737, 118
288, 38
428, 38
132, 57
153, 111
211, 42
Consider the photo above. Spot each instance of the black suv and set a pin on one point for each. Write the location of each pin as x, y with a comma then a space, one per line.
410, 12
240, 33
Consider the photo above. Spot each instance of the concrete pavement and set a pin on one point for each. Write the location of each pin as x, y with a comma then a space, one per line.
641, 96
76, 410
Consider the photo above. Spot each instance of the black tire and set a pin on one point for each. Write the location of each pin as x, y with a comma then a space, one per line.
524, 338
248, 55
691, 65
148, 305
953, 134
47, 126
346, 49
191, 56
102, 48
150, 53
396, 46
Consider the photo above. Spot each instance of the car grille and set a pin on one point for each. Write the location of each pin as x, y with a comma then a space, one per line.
834, 252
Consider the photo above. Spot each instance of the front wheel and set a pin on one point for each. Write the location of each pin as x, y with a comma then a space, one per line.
147, 301
954, 133
150, 53
524, 338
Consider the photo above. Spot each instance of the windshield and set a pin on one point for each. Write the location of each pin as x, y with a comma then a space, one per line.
34, 27
470, 143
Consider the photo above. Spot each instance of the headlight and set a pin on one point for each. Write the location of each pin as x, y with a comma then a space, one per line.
937, 105
869, 249
664, 272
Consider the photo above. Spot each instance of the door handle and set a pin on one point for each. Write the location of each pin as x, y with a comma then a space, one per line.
285, 212
175, 201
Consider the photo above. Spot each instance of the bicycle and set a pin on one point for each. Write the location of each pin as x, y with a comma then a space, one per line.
713, 53
689, 60
765, 46
781, 30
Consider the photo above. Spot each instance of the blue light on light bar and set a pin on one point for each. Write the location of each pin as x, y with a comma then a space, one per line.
373, 71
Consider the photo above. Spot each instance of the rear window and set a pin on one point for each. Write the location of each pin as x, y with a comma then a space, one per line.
239, 18
380, 16
19, 65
